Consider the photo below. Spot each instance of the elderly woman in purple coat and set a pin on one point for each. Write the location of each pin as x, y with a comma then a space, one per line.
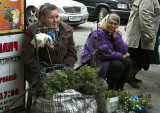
112, 56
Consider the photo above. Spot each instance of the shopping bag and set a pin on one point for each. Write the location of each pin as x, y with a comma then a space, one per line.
69, 101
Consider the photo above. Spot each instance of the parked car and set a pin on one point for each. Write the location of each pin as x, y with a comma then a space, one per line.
71, 12
98, 9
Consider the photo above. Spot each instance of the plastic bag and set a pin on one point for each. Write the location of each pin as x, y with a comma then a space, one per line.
69, 101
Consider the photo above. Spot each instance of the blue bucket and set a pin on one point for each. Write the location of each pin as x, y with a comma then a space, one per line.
142, 109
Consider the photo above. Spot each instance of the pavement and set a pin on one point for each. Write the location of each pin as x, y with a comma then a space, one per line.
150, 85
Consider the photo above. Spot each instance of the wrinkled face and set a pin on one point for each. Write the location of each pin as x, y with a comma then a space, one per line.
51, 19
111, 25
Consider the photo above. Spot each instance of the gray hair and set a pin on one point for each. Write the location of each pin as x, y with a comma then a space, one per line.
115, 17
46, 8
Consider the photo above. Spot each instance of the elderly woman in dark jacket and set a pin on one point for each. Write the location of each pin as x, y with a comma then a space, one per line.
48, 17
112, 55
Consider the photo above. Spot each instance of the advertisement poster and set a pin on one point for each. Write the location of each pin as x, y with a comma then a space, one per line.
11, 16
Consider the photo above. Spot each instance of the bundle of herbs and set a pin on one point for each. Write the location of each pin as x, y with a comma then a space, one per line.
85, 80
91, 84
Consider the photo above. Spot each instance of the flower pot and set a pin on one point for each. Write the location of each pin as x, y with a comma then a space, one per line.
140, 109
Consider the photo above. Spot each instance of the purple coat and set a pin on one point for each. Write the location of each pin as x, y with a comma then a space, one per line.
108, 49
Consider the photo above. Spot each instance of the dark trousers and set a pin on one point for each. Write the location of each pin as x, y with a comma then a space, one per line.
118, 73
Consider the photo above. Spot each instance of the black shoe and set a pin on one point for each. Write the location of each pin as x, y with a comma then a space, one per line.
137, 80
133, 84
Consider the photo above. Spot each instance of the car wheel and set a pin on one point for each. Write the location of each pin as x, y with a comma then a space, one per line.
102, 13
31, 15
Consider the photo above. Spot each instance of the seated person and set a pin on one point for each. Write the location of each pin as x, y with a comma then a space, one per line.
48, 17
112, 55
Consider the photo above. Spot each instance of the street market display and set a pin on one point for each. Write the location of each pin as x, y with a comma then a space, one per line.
84, 81
69, 90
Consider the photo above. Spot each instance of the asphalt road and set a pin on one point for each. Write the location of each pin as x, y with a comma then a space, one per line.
150, 78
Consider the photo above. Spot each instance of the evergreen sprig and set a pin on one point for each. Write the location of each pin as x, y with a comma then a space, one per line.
85, 80
54, 84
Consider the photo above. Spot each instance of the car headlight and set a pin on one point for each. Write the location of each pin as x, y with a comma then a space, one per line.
60, 11
122, 6
84, 9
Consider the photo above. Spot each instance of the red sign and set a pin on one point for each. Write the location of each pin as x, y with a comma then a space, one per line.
7, 47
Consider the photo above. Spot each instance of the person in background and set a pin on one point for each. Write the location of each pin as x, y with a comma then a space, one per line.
112, 52
48, 17
141, 30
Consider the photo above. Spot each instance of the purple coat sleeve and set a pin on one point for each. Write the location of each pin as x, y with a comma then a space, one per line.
106, 47
119, 45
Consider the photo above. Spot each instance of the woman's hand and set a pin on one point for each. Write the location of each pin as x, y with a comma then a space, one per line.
114, 34
126, 55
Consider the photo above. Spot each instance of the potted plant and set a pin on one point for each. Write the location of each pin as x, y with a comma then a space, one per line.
138, 104
107, 102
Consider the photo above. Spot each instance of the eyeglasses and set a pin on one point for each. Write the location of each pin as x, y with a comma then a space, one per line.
111, 23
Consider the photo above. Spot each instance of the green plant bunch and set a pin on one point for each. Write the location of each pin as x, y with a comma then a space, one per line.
124, 97
90, 83
73, 77
85, 80
101, 87
54, 84
109, 94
